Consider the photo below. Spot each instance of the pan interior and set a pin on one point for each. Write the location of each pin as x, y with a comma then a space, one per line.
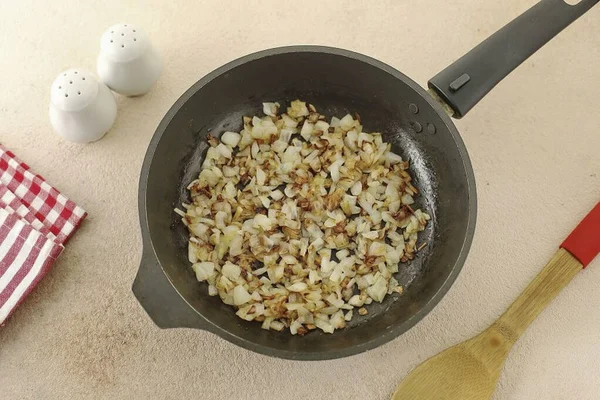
336, 84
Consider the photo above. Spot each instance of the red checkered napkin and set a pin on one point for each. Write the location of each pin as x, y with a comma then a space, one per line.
12, 204
35, 222
56, 212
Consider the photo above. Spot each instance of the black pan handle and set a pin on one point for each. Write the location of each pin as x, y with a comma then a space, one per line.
464, 83
160, 300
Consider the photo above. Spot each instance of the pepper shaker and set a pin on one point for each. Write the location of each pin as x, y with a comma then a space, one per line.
81, 108
128, 63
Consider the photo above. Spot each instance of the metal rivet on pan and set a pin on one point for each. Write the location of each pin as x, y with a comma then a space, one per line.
416, 126
413, 108
431, 128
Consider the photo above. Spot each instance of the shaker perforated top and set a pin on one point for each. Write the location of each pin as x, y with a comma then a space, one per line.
73, 90
123, 43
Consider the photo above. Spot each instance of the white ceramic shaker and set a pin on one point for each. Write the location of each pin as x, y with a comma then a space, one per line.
128, 63
81, 108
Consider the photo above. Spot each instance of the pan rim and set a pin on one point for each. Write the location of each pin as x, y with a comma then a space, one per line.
388, 334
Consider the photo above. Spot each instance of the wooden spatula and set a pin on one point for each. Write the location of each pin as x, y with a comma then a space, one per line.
470, 370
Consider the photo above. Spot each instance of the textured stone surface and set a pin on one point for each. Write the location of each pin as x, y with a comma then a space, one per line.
534, 143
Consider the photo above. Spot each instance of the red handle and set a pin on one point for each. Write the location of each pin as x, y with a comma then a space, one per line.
584, 242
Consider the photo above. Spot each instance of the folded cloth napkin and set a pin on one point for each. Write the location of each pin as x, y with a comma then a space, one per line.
11, 203
59, 214
25, 257
35, 222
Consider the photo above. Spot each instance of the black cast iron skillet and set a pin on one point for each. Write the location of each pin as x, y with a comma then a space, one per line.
336, 82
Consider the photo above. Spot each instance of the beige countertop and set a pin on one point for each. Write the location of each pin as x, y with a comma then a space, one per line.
534, 143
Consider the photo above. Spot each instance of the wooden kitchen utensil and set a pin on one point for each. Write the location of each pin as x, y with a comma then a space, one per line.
470, 370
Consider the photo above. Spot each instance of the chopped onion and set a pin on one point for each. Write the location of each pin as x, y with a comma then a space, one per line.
347, 122
231, 271
296, 222
306, 130
224, 151
297, 109
393, 158
378, 290
240, 295
271, 109
204, 270
298, 287
231, 138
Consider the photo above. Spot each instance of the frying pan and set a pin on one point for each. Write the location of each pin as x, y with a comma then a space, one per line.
417, 123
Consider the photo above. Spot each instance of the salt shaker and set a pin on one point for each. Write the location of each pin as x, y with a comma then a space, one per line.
128, 63
81, 108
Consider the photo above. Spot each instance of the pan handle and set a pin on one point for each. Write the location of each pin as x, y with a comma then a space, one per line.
160, 300
464, 83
